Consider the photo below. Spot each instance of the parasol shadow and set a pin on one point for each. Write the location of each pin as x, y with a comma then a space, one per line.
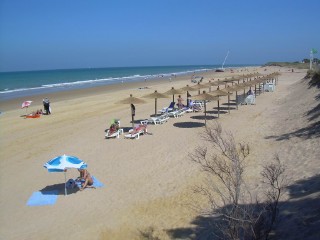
188, 124
60, 188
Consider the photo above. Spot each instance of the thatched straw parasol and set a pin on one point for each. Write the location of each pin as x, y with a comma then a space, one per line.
172, 92
199, 86
155, 95
132, 100
235, 88
219, 93
187, 88
205, 97
228, 90
214, 83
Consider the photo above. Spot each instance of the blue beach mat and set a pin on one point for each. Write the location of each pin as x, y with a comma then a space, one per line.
43, 198
96, 182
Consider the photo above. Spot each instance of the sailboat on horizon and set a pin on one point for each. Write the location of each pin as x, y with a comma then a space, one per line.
222, 69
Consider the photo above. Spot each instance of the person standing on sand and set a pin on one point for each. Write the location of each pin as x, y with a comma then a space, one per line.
46, 105
180, 105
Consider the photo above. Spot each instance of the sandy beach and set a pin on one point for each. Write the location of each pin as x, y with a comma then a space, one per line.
147, 182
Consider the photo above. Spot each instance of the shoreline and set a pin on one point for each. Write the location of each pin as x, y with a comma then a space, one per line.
58, 96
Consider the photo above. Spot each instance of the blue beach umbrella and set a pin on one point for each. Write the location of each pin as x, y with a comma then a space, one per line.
62, 163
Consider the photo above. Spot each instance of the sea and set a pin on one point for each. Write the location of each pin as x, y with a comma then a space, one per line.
28, 83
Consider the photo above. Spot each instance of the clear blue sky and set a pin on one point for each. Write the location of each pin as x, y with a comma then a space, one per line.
54, 34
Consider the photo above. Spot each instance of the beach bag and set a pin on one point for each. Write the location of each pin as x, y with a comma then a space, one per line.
71, 183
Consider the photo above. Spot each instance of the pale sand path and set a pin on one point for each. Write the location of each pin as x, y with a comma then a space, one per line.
146, 180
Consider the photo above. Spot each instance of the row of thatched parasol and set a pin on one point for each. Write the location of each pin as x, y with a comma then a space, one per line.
212, 95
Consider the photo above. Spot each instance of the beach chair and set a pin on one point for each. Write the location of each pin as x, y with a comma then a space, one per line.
168, 109
199, 103
137, 131
156, 120
153, 120
114, 134
174, 113
194, 107
250, 100
188, 110
114, 131
240, 99
268, 87
164, 118
181, 112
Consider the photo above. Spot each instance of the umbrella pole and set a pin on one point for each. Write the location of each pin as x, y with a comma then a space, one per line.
187, 99
237, 99
132, 119
65, 183
255, 90
218, 108
155, 107
205, 114
229, 104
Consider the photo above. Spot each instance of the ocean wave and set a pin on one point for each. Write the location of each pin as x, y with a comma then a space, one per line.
20, 90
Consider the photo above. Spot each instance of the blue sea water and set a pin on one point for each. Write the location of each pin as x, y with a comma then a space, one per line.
19, 84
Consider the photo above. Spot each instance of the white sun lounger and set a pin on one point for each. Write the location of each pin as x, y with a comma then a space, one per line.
114, 134
133, 134
250, 100
268, 87
240, 99
167, 109
156, 120
177, 113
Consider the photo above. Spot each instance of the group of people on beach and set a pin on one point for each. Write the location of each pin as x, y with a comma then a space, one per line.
46, 106
190, 104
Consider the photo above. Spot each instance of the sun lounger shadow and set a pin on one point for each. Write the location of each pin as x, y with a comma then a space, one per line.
188, 124
126, 129
60, 187
137, 121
